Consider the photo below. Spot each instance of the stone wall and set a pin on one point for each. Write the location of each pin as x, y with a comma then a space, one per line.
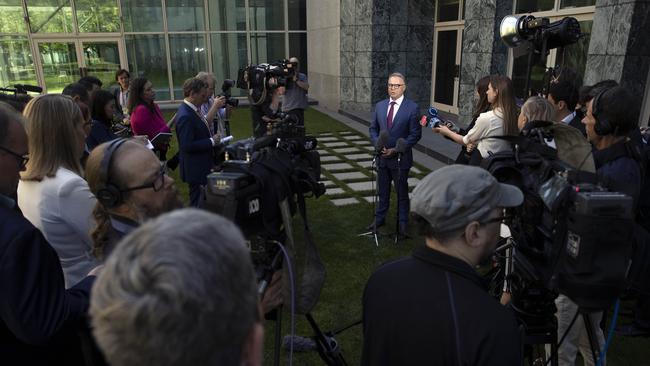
323, 50
379, 37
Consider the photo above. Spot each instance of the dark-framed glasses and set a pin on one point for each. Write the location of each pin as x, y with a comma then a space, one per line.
395, 86
157, 184
20, 159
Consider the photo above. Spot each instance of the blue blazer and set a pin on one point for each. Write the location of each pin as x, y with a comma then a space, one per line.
99, 133
405, 125
195, 147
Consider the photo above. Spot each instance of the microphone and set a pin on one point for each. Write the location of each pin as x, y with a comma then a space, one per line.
23, 88
382, 141
263, 142
400, 145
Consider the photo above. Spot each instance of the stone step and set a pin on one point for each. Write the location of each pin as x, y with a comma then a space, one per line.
335, 167
350, 176
344, 201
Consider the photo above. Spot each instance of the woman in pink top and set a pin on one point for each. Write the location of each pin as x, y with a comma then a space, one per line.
146, 118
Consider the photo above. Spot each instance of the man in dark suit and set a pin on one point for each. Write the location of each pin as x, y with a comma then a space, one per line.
399, 117
38, 316
196, 139
564, 97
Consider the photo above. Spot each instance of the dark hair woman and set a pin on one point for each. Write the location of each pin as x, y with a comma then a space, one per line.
103, 111
473, 157
146, 118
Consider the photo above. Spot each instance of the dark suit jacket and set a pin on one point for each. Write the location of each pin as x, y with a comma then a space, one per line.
405, 125
99, 133
38, 316
576, 122
194, 144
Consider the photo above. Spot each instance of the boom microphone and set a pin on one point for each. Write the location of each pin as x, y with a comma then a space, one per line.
383, 139
400, 145
23, 88
265, 141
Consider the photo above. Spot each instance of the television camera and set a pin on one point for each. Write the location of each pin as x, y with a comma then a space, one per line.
259, 79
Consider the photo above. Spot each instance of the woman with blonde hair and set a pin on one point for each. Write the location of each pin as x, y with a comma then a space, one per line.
501, 120
52, 194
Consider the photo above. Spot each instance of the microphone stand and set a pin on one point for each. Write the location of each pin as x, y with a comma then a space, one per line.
373, 232
399, 173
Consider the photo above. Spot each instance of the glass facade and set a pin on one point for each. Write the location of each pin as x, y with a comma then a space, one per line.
166, 41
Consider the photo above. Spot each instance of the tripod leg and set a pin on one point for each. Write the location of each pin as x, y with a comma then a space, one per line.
593, 341
329, 353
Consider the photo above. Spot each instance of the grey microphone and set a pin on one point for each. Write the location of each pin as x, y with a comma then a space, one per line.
400, 145
382, 141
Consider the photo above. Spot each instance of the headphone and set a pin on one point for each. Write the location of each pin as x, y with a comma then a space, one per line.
603, 126
109, 194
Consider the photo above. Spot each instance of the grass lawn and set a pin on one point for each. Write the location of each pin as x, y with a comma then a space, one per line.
350, 260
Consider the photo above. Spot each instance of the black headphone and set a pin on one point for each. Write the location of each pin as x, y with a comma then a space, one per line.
603, 126
109, 195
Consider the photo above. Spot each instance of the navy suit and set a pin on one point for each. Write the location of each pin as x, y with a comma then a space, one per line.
195, 147
405, 125
38, 316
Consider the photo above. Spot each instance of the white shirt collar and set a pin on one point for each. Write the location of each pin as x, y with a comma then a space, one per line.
397, 101
569, 117
194, 108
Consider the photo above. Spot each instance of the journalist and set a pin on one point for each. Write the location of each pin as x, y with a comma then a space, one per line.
432, 308
213, 109
175, 294
563, 95
38, 316
131, 186
295, 98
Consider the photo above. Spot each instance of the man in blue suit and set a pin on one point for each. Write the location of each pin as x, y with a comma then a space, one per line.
196, 139
399, 117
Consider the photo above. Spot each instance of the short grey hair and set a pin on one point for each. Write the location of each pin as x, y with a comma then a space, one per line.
206, 77
537, 108
179, 290
398, 75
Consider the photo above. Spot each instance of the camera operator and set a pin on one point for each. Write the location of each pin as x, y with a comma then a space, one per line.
432, 308
188, 279
196, 139
295, 97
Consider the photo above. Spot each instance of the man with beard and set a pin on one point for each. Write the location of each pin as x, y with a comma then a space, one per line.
131, 186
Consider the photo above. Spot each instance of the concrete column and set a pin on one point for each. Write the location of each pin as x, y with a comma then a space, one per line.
324, 51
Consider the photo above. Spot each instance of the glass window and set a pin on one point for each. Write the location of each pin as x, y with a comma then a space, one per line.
188, 56
227, 15
50, 16
531, 6
229, 54
574, 56
185, 15
16, 63
102, 60
12, 17
60, 66
267, 47
298, 48
448, 10
297, 15
576, 3
146, 54
266, 14
142, 15
97, 16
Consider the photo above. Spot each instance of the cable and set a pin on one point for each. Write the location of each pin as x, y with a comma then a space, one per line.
293, 296
610, 333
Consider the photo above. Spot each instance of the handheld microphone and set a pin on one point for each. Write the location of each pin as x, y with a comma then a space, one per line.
23, 88
263, 142
400, 145
383, 139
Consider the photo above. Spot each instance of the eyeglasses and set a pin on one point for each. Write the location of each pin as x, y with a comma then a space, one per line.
21, 159
395, 86
495, 219
157, 184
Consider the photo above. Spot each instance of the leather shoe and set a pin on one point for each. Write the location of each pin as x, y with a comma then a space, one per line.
372, 226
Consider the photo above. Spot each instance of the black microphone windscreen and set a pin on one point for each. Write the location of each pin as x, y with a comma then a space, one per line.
382, 141
400, 145
28, 88
264, 141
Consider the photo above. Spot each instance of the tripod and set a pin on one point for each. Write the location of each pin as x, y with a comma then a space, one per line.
373, 233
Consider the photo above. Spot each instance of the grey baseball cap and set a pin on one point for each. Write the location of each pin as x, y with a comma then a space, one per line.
453, 196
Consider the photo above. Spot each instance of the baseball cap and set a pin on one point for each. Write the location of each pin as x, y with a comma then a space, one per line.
455, 195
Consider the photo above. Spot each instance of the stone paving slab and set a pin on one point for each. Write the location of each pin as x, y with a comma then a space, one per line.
416, 170
324, 152
361, 186
346, 133
344, 201
328, 139
412, 182
360, 142
329, 158
350, 176
326, 134
336, 144
365, 164
363, 156
369, 148
334, 191
346, 150
369, 199
328, 183
353, 137
335, 167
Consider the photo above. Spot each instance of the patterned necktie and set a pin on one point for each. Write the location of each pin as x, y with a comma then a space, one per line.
389, 119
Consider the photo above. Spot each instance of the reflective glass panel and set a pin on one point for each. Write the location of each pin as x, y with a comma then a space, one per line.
297, 15
519, 77
267, 47
12, 17
574, 56
298, 48
16, 63
188, 56
229, 54
146, 54
445, 67
102, 60
266, 14
531, 6
185, 15
227, 14
142, 15
50, 16
576, 3
95, 16
448, 10
60, 66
